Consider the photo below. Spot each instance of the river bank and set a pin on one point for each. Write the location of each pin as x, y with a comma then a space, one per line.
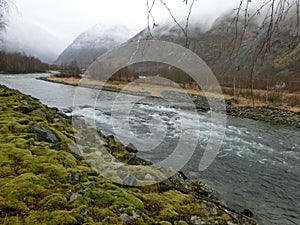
261, 113
43, 182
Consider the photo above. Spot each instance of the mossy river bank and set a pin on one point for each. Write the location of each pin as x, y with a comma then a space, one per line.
44, 182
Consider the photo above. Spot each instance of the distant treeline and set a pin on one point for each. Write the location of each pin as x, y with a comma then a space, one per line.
67, 70
20, 63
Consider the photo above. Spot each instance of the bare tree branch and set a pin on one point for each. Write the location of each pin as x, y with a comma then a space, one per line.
150, 15
174, 19
188, 22
151, 19
270, 17
4, 7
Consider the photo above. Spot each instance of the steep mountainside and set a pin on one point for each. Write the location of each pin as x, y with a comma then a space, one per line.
94, 42
222, 49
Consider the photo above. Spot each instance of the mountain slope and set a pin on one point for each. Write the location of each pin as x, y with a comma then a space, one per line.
222, 49
94, 42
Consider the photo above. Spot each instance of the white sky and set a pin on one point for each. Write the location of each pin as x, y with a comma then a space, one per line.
64, 20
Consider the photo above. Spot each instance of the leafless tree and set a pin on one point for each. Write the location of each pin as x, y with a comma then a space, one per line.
271, 13
184, 28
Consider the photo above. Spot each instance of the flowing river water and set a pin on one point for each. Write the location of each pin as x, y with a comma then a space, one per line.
257, 168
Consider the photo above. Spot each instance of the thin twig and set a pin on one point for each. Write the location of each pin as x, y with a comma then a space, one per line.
174, 19
188, 22
152, 18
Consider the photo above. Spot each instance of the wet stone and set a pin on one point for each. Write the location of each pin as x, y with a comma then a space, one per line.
131, 148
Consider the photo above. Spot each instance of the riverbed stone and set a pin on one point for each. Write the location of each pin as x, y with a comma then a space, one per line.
131, 148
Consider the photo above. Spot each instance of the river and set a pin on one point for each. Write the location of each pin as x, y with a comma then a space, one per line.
257, 168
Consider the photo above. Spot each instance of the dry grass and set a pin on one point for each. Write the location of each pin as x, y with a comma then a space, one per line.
273, 98
277, 99
154, 90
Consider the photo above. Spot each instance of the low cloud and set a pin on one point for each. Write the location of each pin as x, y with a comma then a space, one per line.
51, 25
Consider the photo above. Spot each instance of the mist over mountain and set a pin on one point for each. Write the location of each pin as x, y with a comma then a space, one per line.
230, 49
226, 48
92, 43
31, 39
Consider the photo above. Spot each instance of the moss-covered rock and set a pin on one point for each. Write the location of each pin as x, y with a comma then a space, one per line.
43, 182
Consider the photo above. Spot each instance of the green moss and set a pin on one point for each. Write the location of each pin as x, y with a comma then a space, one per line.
16, 127
167, 212
23, 186
54, 172
66, 159
60, 217
12, 207
54, 201
115, 199
112, 220
38, 178
5, 164
40, 150
81, 214
180, 223
165, 223
11, 220
46, 165
6, 171
124, 199
13, 153
102, 213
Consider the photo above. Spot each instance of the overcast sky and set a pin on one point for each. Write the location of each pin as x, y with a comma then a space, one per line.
64, 20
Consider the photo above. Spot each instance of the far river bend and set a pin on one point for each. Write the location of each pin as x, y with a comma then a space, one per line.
258, 167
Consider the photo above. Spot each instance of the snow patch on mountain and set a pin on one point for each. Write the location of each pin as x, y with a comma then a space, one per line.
92, 43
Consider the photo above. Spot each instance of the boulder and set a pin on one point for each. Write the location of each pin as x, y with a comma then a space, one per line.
43, 134
131, 148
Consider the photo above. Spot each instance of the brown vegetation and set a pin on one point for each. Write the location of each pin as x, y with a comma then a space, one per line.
20, 63
68, 70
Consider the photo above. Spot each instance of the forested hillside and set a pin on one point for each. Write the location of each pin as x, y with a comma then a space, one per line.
20, 63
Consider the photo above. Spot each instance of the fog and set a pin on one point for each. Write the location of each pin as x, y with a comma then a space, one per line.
45, 28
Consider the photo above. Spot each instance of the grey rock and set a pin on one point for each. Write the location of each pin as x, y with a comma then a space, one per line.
75, 148
125, 217
73, 197
38, 112
247, 212
128, 179
43, 134
26, 109
131, 148
149, 177
35, 143
111, 138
